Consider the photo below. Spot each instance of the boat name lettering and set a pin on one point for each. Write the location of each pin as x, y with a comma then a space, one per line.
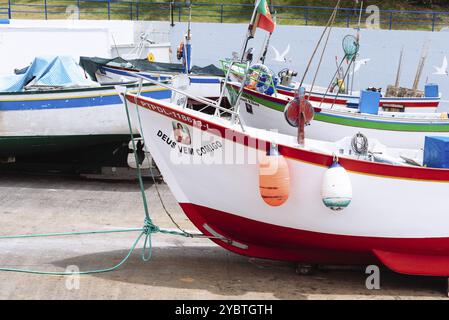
208, 148
175, 115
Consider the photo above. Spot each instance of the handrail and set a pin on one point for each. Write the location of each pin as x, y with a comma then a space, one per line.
211, 12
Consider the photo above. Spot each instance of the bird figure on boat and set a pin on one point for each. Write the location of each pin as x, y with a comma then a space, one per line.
443, 70
359, 63
281, 57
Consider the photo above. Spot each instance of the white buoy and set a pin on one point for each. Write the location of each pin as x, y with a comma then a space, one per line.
336, 190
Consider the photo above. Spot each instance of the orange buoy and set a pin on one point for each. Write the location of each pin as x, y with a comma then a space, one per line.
274, 178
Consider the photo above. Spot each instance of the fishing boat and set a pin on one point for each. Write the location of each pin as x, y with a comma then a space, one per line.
332, 122
50, 107
268, 195
204, 82
201, 81
428, 101
340, 91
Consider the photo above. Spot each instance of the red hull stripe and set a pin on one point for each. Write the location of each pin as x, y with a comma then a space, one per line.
352, 165
281, 243
412, 104
314, 98
424, 104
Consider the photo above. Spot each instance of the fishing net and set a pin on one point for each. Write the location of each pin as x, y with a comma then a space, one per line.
350, 46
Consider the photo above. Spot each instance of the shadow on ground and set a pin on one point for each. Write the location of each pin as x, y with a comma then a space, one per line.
223, 273
62, 182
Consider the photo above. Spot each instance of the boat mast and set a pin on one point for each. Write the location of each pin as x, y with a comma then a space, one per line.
422, 61
398, 74
358, 40
267, 44
249, 34
188, 45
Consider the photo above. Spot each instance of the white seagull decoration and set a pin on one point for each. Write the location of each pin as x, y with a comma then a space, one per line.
442, 71
359, 63
281, 57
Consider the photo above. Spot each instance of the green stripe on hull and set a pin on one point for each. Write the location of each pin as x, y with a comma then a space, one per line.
38, 145
381, 125
358, 123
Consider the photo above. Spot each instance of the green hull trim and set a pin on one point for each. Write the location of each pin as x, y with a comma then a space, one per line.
355, 122
40, 145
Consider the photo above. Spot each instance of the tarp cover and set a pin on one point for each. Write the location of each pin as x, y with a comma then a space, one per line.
59, 71
91, 65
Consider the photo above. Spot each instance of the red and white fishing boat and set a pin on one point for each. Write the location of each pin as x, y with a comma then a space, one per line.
214, 166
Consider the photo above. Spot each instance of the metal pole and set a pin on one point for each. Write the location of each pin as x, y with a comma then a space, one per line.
434, 18
9, 10
172, 15
221, 14
306, 16
109, 9
391, 20
45, 9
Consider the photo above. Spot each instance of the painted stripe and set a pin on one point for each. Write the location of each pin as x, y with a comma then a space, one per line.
424, 102
354, 120
203, 80
129, 73
382, 170
76, 102
193, 79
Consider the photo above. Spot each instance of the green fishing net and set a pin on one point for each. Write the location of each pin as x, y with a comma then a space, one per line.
350, 46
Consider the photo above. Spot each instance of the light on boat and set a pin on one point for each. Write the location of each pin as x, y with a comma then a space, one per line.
336, 190
274, 178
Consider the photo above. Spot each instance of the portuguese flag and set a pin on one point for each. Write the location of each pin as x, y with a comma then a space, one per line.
262, 18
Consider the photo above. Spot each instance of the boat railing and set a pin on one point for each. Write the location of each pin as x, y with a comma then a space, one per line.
219, 110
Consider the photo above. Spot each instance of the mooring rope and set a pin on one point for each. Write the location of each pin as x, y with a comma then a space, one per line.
148, 229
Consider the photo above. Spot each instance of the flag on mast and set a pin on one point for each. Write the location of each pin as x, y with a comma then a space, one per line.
262, 18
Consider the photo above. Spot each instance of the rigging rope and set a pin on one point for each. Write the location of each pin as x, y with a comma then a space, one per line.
319, 42
334, 15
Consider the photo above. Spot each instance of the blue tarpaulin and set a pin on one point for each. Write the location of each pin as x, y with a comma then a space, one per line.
436, 152
57, 71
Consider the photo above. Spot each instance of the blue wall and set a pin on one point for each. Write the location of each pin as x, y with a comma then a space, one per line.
212, 41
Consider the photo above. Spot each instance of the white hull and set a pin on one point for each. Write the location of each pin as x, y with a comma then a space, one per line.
200, 86
270, 119
385, 212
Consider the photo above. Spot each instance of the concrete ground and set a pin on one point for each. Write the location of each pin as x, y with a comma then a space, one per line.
180, 268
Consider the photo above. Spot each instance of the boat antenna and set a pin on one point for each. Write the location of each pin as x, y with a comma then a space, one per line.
329, 22
115, 45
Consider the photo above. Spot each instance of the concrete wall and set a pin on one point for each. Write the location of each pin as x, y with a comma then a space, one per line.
213, 41
23, 39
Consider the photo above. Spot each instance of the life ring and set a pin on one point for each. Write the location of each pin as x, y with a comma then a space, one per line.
261, 78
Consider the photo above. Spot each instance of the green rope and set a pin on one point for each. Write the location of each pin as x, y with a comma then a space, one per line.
146, 231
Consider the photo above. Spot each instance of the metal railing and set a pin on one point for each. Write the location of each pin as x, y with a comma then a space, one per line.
206, 12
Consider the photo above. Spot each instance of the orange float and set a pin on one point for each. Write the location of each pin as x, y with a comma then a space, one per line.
274, 178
